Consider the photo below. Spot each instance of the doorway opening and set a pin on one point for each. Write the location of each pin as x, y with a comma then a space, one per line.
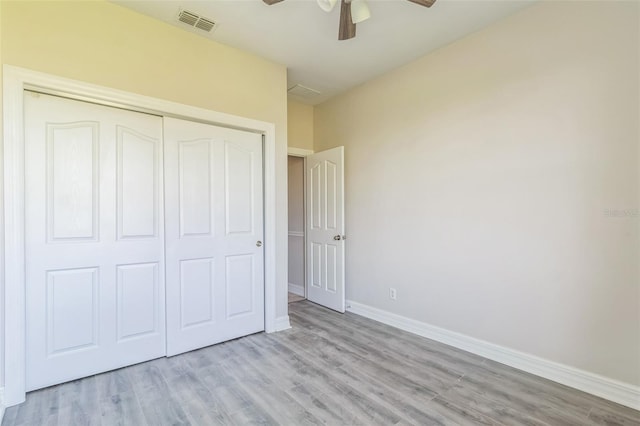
296, 273
316, 227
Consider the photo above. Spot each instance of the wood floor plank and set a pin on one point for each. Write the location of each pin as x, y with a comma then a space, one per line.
384, 333
320, 405
532, 404
115, 382
172, 367
79, 403
277, 402
554, 394
621, 417
200, 406
375, 398
491, 408
330, 368
148, 377
41, 405
356, 394
450, 413
154, 396
437, 379
226, 389
159, 410
121, 409
10, 415
306, 377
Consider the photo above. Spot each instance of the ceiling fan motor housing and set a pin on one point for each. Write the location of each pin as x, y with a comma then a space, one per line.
352, 12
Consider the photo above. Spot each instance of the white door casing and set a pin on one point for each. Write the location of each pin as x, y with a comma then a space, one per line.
325, 244
214, 234
94, 239
15, 81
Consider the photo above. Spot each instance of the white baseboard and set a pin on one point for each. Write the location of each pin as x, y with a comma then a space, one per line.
613, 390
2, 407
282, 323
296, 289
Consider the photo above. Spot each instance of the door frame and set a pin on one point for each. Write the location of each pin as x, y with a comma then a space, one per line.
302, 153
15, 81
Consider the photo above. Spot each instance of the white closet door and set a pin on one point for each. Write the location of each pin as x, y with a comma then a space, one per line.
214, 231
94, 239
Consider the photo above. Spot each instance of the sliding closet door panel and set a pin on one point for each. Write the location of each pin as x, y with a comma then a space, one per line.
214, 230
94, 239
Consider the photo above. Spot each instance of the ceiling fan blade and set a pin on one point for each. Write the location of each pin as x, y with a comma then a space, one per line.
347, 27
270, 2
425, 3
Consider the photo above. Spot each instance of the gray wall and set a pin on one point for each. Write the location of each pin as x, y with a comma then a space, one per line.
494, 183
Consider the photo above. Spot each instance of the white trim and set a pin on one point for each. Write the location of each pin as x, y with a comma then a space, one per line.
13, 179
298, 152
610, 389
281, 323
296, 234
296, 289
15, 80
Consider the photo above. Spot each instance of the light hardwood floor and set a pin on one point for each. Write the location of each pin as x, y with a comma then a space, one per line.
329, 369
294, 298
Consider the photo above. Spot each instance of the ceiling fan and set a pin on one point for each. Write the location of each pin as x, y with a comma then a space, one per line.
351, 13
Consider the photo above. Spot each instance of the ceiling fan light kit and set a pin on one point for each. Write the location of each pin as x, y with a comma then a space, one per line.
359, 11
327, 5
352, 12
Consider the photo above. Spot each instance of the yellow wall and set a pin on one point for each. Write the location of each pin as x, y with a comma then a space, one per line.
106, 44
494, 183
300, 125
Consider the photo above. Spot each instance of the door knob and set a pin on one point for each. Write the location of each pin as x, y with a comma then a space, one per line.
337, 237
259, 243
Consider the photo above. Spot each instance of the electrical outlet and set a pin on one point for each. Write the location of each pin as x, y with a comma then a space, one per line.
392, 293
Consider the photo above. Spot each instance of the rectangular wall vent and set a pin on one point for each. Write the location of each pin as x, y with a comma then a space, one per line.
196, 21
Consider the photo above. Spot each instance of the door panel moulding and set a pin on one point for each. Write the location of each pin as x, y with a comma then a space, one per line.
324, 228
15, 81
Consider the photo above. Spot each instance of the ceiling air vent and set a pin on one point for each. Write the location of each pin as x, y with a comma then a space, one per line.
205, 24
303, 91
196, 21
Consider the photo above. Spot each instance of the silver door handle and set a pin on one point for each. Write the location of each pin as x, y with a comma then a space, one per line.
259, 243
340, 237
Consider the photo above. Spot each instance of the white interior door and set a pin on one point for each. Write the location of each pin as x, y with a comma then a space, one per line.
214, 232
94, 239
325, 228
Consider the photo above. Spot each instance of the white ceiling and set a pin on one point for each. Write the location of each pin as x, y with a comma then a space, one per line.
298, 34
